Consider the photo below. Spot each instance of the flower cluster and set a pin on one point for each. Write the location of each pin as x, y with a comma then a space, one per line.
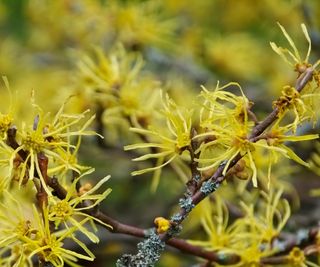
21, 148
253, 235
226, 129
118, 89
225, 124
224, 132
32, 156
27, 232
304, 104
75, 205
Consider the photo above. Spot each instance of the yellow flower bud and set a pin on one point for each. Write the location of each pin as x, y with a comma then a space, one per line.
244, 175
85, 188
162, 224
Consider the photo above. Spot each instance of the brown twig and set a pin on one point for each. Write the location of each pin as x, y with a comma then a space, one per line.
42, 195
193, 183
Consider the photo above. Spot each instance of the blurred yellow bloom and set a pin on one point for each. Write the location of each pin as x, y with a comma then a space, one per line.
314, 161
103, 76
140, 24
7, 118
236, 55
116, 86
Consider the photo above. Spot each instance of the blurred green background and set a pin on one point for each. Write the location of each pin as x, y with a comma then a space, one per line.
184, 44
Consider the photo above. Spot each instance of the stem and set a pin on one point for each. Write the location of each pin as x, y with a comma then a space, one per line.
193, 183
42, 195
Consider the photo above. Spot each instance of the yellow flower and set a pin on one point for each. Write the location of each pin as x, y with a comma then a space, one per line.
48, 246
274, 142
26, 231
69, 210
50, 138
291, 99
67, 161
297, 258
125, 95
250, 236
224, 118
5, 123
165, 146
302, 104
215, 222
293, 57
16, 224
103, 76
305, 103
278, 135
272, 215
